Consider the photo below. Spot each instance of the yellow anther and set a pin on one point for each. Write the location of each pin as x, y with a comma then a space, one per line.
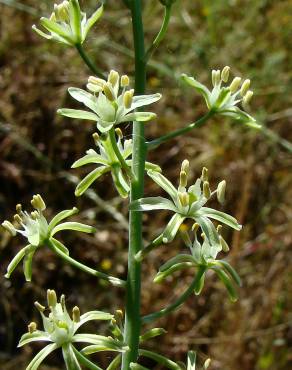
9, 227
206, 190
235, 84
39, 307
128, 98
204, 176
18, 208
125, 81
17, 218
247, 97
109, 92
113, 78
244, 88
221, 189
76, 314
51, 298
32, 327
225, 74
223, 244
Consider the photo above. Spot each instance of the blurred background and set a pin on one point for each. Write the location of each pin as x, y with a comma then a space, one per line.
253, 37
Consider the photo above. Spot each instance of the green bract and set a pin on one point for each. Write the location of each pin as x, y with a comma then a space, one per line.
187, 203
224, 100
107, 161
68, 24
110, 107
60, 330
203, 256
38, 232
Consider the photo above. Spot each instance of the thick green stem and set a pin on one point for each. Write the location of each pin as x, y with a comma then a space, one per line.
155, 143
132, 317
89, 62
172, 307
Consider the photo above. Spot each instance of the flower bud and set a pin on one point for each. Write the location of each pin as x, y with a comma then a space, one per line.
51, 298
125, 81
244, 88
113, 77
221, 188
9, 227
109, 92
76, 314
247, 97
235, 84
128, 98
32, 327
206, 190
225, 74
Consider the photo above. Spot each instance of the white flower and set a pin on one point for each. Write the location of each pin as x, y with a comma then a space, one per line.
187, 203
107, 161
36, 229
68, 24
224, 100
60, 330
108, 104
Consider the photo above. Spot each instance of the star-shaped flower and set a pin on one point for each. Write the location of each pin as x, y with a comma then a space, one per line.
203, 257
38, 232
187, 202
107, 161
224, 100
108, 104
60, 331
68, 24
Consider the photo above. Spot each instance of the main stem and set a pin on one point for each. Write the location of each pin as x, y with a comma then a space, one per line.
132, 314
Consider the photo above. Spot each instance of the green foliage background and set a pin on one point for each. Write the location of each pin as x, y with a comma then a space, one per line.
37, 149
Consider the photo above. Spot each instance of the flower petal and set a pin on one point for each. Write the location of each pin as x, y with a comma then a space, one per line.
76, 226
172, 227
61, 216
78, 114
34, 337
70, 358
89, 159
137, 116
92, 20
83, 97
226, 281
164, 183
89, 179
152, 203
220, 216
201, 89
120, 182
141, 100
208, 229
161, 275
16, 260
230, 270
40, 356
54, 27
60, 246
93, 315
27, 263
